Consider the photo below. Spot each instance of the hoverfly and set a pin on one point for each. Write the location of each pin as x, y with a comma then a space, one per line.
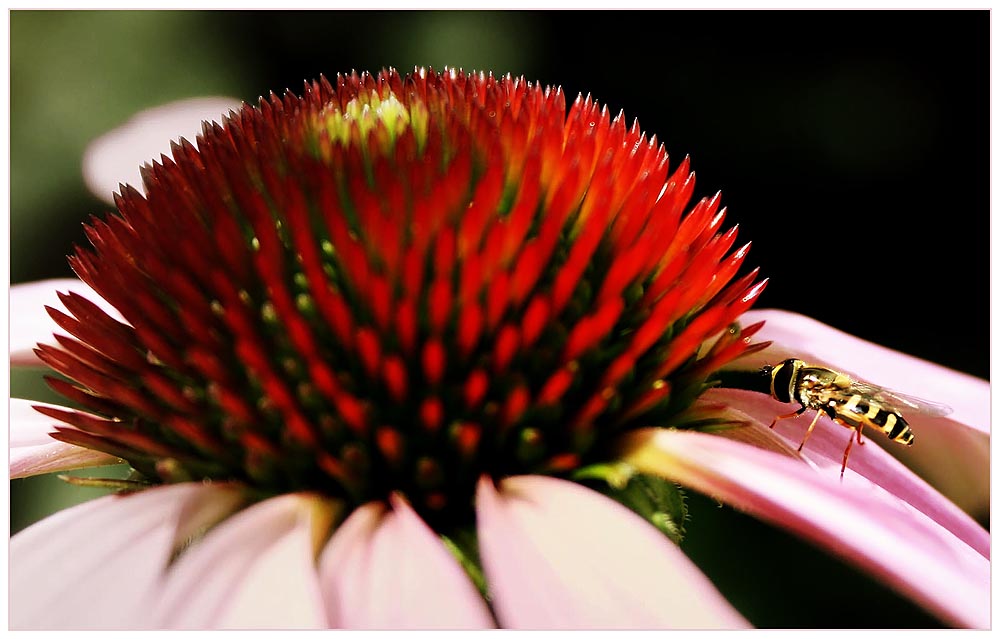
849, 402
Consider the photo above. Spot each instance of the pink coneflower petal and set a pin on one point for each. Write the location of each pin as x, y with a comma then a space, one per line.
952, 452
30, 324
868, 463
384, 568
955, 459
860, 523
98, 565
560, 556
255, 570
33, 452
114, 158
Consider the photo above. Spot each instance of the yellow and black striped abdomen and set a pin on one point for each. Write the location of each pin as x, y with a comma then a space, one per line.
859, 409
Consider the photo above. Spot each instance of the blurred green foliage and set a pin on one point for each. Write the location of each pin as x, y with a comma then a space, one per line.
75, 75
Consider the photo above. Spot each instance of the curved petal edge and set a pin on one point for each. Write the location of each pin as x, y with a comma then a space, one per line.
871, 529
558, 555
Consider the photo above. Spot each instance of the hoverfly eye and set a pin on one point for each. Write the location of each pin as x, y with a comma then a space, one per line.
782, 381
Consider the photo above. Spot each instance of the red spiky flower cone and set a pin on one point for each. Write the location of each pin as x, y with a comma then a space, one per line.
398, 283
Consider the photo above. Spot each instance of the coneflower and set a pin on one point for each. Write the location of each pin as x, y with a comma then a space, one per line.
392, 325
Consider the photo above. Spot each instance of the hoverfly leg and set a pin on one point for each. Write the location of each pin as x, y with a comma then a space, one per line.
810, 429
795, 414
847, 451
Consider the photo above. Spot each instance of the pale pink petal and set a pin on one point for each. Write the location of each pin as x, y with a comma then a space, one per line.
560, 556
855, 520
254, 570
825, 450
955, 459
33, 452
952, 452
98, 565
115, 157
799, 336
387, 569
30, 324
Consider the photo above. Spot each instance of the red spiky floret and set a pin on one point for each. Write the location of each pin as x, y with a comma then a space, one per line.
398, 283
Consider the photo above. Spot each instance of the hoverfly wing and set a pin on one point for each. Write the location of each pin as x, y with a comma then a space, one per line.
918, 404
906, 403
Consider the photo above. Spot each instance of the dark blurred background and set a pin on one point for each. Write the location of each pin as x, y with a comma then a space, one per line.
851, 147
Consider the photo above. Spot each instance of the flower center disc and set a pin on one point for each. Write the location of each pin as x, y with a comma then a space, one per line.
398, 283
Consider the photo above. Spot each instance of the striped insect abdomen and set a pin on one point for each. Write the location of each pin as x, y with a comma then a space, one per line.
874, 414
